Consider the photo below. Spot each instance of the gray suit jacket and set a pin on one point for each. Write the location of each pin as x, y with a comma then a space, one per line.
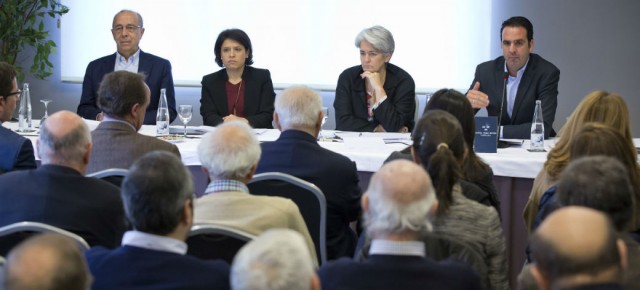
118, 145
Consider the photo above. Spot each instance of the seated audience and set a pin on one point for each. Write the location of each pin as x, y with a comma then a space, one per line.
375, 96
438, 145
598, 106
277, 260
123, 98
397, 210
57, 193
477, 175
577, 248
298, 114
16, 151
229, 157
158, 199
238, 92
46, 262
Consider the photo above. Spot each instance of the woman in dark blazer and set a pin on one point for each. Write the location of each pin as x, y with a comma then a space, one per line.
238, 91
375, 96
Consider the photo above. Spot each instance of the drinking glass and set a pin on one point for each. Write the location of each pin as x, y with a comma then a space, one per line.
46, 112
185, 112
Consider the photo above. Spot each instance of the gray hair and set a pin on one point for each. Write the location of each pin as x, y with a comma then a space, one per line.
379, 37
298, 106
154, 192
277, 260
140, 23
229, 151
389, 212
68, 149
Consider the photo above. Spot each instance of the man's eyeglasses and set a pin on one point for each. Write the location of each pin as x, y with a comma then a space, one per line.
129, 28
18, 92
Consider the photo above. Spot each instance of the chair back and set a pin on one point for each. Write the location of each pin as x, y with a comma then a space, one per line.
13, 234
306, 195
114, 176
211, 241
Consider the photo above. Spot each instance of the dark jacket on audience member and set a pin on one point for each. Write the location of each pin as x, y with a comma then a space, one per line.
62, 197
16, 151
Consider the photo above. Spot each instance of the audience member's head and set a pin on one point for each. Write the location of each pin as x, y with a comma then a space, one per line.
9, 93
399, 201
65, 140
124, 95
598, 106
438, 145
278, 259
601, 183
236, 35
158, 195
231, 151
46, 262
298, 108
576, 246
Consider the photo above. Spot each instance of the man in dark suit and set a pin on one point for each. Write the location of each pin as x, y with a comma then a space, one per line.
578, 248
158, 198
298, 114
57, 193
127, 30
529, 77
16, 151
123, 97
397, 208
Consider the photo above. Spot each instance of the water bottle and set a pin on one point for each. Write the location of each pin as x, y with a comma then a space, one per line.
24, 113
162, 118
537, 130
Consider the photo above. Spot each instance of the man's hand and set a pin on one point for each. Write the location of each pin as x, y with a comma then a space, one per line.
99, 116
477, 98
233, 117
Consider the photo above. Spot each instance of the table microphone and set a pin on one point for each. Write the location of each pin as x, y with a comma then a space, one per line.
505, 79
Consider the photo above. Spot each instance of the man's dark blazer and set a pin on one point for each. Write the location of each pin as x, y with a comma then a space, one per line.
397, 272
298, 153
396, 112
16, 151
158, 76
539, 82
258, 97
62, 197
129, 267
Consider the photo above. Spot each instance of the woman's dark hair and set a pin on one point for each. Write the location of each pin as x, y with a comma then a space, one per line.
456, 104
236, 35
439, 146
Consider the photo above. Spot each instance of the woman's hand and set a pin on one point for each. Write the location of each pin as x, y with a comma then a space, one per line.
233, 117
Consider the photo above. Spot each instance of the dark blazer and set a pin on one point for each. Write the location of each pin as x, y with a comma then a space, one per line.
16, 151
258, 97
62, 197
539, 82
157, 70
129, 267
396, 112
297, 153
397, 272
118, 145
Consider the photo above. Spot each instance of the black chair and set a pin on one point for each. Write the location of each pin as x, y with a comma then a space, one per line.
114, 176
307, 196
13, 234
211, 241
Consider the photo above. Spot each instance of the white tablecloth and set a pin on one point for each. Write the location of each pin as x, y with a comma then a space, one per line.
514, 161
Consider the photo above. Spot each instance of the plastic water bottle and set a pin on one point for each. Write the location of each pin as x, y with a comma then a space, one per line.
537, 130
162, 118
24, 113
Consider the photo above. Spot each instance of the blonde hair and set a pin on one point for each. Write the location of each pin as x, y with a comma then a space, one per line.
598, 106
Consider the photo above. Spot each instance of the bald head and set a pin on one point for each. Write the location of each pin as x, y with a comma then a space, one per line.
64, 140
299, 107
46, 261
231, 151
576, 241
399, 199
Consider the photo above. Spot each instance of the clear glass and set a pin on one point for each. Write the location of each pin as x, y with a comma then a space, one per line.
537, 130
185, 112
46, 110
